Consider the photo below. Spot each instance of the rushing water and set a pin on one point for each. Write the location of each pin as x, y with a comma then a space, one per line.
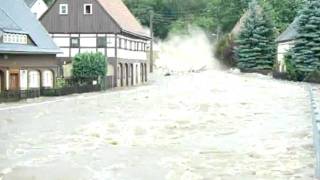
197, 126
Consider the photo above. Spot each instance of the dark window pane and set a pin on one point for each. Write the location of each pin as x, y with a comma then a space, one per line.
75, 42
101, 42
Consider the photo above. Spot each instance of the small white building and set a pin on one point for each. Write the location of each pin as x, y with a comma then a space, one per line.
37, 7
285, 42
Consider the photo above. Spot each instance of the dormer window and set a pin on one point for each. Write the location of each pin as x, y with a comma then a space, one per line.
15, 38
87, 9
63, 9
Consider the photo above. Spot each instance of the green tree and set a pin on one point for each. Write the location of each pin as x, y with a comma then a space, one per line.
283, 12
224, 50
48, 2
291, 69
256, 42
88, 67
211, 15
306, 52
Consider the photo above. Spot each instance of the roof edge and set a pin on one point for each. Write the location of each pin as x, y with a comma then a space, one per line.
49, 8
109, 15
136, 34
26, 52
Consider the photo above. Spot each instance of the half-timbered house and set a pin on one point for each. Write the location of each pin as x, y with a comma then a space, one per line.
27, 53
105, 26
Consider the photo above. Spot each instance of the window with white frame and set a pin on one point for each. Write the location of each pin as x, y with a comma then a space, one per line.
74, 42
34, 79
110, 42
63, 9
47, 79
15, 38
101, 42
119, 43
136, 46
123, 44
87, 9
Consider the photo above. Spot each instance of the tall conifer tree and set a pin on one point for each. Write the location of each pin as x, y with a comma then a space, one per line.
256, 47
306, 52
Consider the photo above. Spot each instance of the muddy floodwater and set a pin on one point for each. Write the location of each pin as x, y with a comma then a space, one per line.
200, 126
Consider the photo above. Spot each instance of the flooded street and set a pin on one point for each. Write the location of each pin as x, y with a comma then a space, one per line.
203, 126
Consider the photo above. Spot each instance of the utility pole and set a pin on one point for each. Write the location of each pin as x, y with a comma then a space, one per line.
151, 42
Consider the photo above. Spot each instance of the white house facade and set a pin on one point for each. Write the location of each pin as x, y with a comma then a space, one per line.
27, 54
37, 7
101, 26
285, 42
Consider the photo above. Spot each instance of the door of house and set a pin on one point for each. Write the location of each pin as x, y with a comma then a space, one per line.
1, 82
14, 81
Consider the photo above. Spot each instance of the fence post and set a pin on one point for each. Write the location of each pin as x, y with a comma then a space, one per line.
104, 83
316, 127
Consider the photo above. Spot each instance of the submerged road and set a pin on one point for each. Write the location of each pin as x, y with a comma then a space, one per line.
204, 126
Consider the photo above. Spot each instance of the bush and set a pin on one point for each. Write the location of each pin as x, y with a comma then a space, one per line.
88, 67
60, 82
293, 72
291, 69
224, 51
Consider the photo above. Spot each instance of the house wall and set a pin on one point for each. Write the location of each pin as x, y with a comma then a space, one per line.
88, 28
130, 48
15, 61
119, 50
34, 71
39, 8
282, 49
76, 21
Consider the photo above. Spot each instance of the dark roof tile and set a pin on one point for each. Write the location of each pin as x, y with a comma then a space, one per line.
122, 15
290, 33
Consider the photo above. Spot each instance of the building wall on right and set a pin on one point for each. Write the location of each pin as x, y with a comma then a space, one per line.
282, 49
39, 8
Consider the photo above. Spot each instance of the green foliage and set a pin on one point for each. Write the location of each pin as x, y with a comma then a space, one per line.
313, 77
181, 26
306, 52
48, 2
211, 15
282, 12
291, 69
256, 47
88, 66
60, 82
224, 51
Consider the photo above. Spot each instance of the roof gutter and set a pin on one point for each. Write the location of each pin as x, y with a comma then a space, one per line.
286, 40
30, 52
136, 34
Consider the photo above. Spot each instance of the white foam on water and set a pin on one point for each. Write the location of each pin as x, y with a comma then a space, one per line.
187, 52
